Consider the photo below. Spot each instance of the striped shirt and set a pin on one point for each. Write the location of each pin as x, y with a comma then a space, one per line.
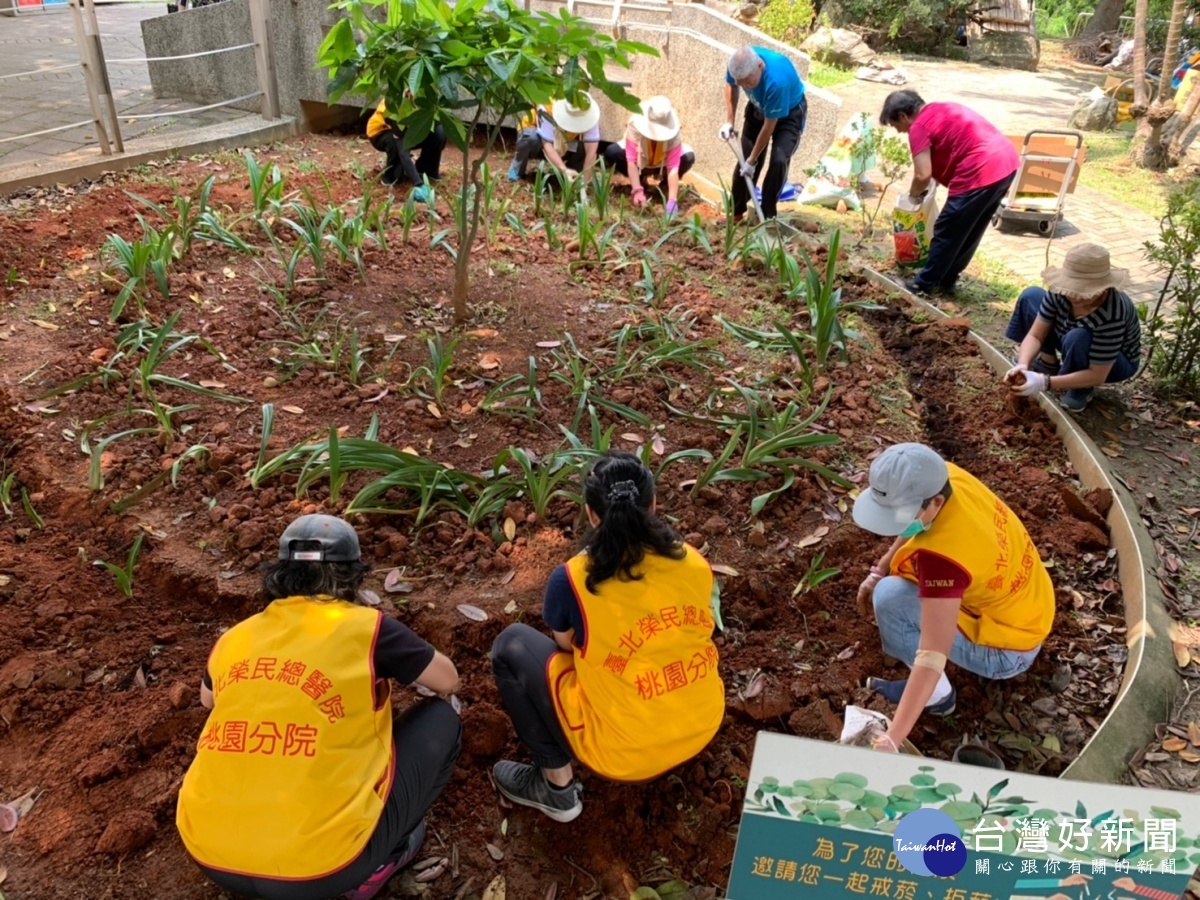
1114, 326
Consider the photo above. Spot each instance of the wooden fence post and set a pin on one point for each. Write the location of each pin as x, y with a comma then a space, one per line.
89, 77
264, 57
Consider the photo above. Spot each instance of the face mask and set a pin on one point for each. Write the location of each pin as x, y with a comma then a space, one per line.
914, 529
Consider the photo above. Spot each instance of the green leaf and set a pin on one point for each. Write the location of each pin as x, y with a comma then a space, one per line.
851, 778
858, 818
995, 789
928, 795
923, 780
948, 789
828, 812
872, 799
802, 789
780, 807
903, 792
674, 890
645, 893
843, 791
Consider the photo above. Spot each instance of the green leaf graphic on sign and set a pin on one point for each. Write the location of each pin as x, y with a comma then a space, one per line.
903, 792
858, 818
872, 800
1080, 810
929, 795
923, 780
851, 778
962, 810
802, 789
843, 791
948, 789
995, 789
1166, 811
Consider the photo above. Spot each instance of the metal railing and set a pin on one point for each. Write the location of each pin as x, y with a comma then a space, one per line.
94, 66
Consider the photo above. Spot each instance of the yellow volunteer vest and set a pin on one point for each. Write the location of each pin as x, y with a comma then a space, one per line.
378, 122
1010, 601
530, 119
295, 761
644, 693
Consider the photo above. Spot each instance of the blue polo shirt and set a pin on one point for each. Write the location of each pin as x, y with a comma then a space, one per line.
779, 89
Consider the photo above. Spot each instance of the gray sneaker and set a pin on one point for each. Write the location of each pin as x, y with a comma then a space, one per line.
526, 785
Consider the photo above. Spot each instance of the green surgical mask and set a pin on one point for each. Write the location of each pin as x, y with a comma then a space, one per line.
914, 529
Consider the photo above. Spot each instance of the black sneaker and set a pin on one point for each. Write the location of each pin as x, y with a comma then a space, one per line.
526, 785
913, 287
389, 178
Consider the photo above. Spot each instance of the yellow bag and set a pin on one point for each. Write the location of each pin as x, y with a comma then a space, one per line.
912, 227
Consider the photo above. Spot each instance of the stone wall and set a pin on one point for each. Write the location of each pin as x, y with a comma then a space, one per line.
694, 42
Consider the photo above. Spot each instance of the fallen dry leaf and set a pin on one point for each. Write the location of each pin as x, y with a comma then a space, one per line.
508, 576
495, 852
294, 410
433, 410
1183, 656
484, 333
549, 345
216, 385
49, 326
721, 569
495, 890
474, 613
849, 651
809, 539
1174, 744
394, 583
370, 598
140, 677
632, 437
229, 273
658, 445
510, 607
1189, 756
489, 361
510, 528
1193, 729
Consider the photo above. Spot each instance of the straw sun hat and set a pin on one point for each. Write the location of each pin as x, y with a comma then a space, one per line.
657, 121
1086, 271
576, 119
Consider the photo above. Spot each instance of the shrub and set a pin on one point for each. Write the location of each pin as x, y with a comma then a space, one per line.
786, 20
1174, 333
917, 26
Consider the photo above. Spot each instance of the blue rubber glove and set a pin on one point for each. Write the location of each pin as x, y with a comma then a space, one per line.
422, 194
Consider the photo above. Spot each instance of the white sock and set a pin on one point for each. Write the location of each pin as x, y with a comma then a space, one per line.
941, 691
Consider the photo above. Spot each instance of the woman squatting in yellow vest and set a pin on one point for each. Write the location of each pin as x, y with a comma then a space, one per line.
962, 582
629, 683
303, 786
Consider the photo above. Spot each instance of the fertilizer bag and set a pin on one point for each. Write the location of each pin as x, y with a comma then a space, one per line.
912, 227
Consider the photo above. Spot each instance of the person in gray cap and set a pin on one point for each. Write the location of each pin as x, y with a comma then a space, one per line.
303, 786
962, 582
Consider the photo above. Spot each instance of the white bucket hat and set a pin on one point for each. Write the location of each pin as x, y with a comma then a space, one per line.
576, 119
658, 120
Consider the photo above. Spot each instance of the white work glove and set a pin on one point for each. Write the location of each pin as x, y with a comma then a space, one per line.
1035, 383
866, 590
1010, 375
748, 169
726, 131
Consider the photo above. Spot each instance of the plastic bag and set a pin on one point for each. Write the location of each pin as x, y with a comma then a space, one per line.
835, 178
912, 228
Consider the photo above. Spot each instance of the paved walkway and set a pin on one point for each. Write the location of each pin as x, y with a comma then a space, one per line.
45, 40
1017, 102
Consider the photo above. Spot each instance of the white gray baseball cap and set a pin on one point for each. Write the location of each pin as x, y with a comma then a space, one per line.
336, 540
902, 477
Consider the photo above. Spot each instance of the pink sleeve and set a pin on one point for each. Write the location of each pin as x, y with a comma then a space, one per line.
631, 146
674, 155
918, 138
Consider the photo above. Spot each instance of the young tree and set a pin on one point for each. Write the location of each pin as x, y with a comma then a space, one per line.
460, 66
1149, 150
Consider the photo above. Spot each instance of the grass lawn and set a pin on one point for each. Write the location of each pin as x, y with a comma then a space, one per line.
1108, 170
825, 76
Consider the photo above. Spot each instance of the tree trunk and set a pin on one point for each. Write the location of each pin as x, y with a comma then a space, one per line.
1185, 122
1178, 9
1107, 17
1141, 97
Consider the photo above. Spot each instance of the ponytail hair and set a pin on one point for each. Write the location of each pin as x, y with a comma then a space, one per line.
620, 490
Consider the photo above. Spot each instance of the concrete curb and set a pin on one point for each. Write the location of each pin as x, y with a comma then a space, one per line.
1150, 679
74, 167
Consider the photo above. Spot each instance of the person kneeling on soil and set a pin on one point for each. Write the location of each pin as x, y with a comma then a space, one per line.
629, 683
1082, 316
567, 136
387, 138
652, 146
962, 582
303, 787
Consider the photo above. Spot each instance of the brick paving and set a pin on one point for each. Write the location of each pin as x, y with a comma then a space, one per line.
1017, 102
46, 40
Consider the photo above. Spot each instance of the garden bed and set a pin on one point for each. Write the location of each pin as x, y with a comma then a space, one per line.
98, 691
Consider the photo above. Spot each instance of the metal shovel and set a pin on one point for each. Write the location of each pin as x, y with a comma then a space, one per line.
781, 230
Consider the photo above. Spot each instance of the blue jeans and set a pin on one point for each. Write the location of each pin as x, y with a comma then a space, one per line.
1076, 347
957, 232
898, 612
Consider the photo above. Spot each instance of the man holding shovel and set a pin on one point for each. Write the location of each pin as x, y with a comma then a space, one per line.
962, 582
775, 114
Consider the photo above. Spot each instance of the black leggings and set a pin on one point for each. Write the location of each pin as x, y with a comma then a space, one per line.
519, 658
427, 738
399, 158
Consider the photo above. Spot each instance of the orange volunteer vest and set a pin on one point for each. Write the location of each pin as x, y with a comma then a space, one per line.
1009, 603
295, 762
378, 122
644, 693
